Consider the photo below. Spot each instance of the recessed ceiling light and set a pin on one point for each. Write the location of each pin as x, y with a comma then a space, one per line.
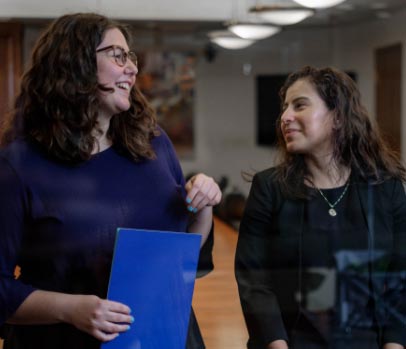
253, 31
228, 40
282, 15
319, 3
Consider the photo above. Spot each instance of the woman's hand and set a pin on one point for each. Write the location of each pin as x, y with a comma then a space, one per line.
393, 346
202, 194
202, 191
101, 318
278, 344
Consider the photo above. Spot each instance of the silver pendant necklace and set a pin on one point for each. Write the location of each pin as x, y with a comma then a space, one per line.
332, 212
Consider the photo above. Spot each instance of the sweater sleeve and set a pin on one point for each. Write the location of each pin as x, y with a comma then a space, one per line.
394, 331
205, 264
13, 203
258, 299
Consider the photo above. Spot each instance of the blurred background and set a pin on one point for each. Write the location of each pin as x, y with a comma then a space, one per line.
215, 87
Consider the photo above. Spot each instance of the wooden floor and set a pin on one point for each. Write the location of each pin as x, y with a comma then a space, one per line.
215, 299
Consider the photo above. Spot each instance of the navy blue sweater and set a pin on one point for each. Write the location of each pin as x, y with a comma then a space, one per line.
58, 223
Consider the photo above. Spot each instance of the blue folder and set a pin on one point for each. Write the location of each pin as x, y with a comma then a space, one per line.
153, 272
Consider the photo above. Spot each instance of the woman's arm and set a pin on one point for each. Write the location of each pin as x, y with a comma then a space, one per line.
394, 334
259, 301
101, 318
23, 304
202, 194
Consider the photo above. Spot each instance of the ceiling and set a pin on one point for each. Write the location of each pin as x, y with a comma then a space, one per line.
351, 12
355, 11
158, 20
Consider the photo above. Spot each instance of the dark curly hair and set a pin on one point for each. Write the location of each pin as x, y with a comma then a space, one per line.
357, 142
57, 106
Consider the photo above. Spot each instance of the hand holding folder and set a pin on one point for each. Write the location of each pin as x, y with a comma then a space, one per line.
153, 272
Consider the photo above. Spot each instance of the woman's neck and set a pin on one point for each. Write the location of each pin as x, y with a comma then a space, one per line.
326, 173
102, 143
102, 140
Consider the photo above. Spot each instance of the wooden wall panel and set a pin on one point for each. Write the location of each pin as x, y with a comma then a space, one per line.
388, 78
10, 64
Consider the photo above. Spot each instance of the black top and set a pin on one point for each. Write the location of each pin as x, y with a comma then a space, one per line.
326, 276
296, 265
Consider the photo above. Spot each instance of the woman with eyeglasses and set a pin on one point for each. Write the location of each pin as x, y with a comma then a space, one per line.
81, 155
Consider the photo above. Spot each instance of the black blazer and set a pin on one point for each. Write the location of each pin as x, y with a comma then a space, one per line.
267, 263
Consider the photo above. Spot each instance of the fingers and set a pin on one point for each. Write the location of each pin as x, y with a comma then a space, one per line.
112, 328
202, 191
105, 337
119, 318
103, 319
117, 307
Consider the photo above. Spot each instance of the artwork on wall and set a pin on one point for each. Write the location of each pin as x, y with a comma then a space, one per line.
167, 79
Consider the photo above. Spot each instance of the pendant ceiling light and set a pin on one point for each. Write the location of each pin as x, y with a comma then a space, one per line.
253, 31
228, 40
319, 3
282, 15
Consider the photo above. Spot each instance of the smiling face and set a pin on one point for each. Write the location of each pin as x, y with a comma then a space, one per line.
119, 79
306, 122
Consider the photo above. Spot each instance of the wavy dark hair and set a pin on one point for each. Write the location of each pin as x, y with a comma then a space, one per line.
57, 106
357, 142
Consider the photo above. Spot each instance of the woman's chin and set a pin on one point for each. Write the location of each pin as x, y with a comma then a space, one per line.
122, 107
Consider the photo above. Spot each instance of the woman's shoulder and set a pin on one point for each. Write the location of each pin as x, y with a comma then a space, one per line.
161, 138
17, 148
385, 182
266, 181
20, 153
162, 144
268, 175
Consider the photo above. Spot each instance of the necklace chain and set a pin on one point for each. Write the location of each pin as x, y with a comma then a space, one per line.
332, 211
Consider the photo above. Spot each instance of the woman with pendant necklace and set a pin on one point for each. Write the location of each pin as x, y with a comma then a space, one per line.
321, 254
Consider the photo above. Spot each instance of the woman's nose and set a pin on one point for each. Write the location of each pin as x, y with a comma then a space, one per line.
131, 68
287, 116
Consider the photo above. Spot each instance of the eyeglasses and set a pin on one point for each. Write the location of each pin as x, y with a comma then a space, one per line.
120, 55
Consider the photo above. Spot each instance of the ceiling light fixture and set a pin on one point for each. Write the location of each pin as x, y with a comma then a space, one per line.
282, 15
253, 31
319, 3
228, 40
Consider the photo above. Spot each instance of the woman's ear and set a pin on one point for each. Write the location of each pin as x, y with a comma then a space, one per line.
336, 122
